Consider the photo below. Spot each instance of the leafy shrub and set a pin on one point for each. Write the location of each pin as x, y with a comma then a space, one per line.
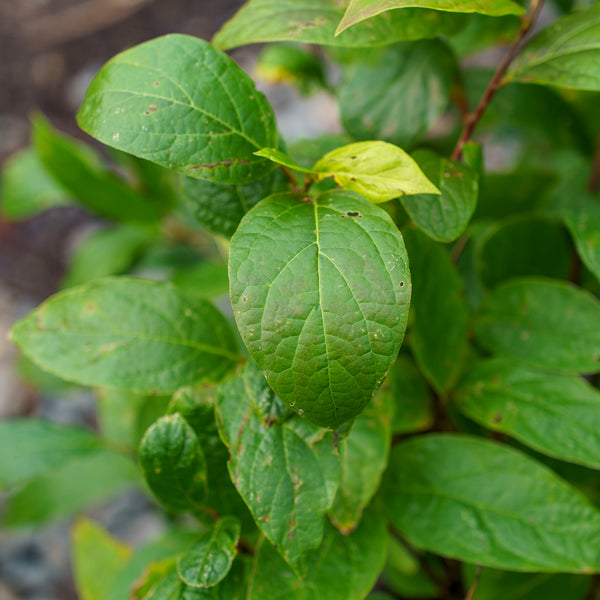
331, 459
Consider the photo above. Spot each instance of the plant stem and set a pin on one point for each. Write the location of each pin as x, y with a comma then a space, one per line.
494, 85
290, 178
473, 588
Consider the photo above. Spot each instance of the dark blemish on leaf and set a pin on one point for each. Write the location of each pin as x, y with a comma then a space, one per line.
91, 307
244, 298
156, 83
152, 108
498, 418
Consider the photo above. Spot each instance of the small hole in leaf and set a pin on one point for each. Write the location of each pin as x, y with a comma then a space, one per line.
402, 284
244, 298
353, 214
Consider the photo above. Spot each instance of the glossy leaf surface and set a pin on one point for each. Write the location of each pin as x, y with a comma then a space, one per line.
554, 414
359, 10
566, 54
287, 473
177, 101
209, 560
315, 22
320, 292
548, 324
96, 334
173, 464
484, 503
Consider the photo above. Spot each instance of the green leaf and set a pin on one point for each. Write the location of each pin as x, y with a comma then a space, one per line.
554, 414
443, 217
286, 473
398, 98
71, 488
31, 447
320, 292
315, 21
95, 334
173, 464
523, 246
281, 158
177, 101
548, 324
345, 567
413, 404
565, 54
359, 10
500, 585
377, 170
219, 207
107, 251
364, 455
484, 503
27, 188
97, 559
209, 560
80, 171
438, 335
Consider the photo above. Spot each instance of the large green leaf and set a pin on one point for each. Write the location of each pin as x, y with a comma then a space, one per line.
438, 334
219, 207
566, 54
31, 447
27, 188
485, 503
80, 171
178, 102
359, 10
401, 96
97, 559
315, 21
345, 567
377, 170
554, 414
138, 335
107, 251
173, 464
287, 473
209, 560
320, 290
549, 324
71, 488
364, 455
443, 217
